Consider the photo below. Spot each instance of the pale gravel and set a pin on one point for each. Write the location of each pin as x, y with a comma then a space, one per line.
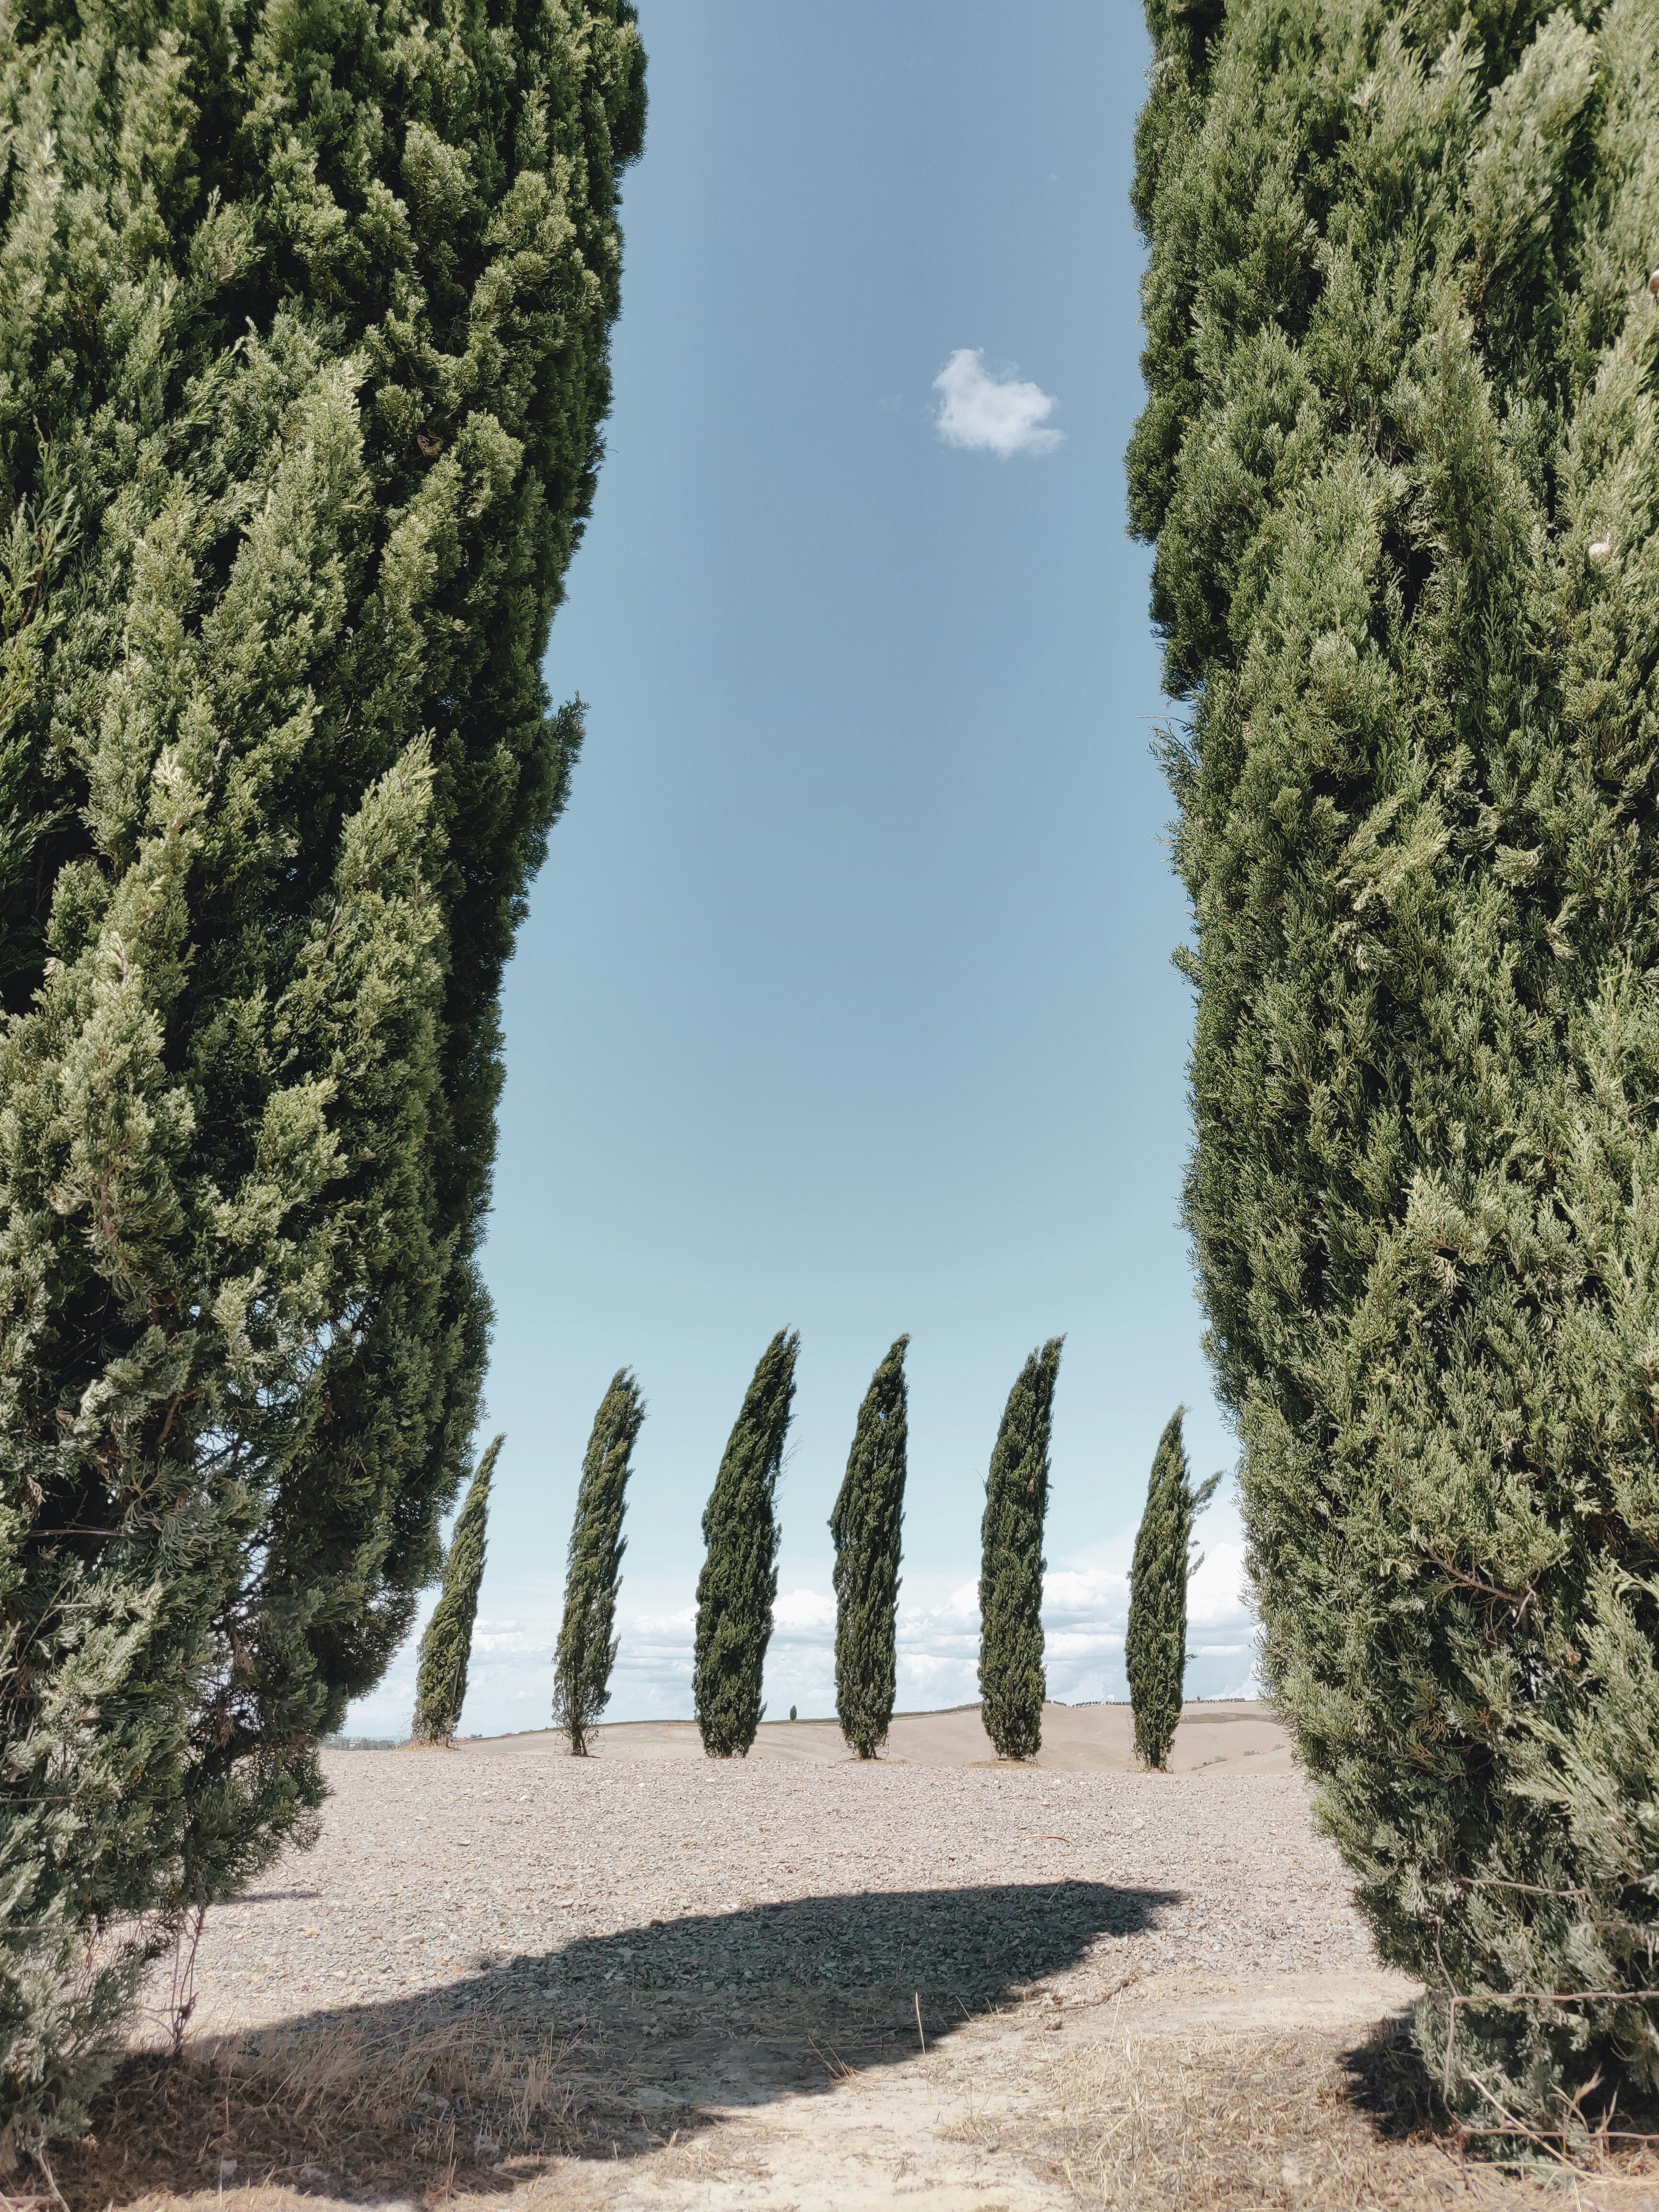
542, 1885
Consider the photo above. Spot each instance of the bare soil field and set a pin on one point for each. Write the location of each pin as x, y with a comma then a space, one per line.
1226, 1735
506, 1977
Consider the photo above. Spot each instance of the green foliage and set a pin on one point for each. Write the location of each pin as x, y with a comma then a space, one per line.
866, 1525
1012, 1683
447, 1646
1155, 1648
739, 1577
1399, 456
586, 1648
303, 327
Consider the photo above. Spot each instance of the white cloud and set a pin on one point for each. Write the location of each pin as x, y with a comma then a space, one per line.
1215, 1597
989, 414
803, 1616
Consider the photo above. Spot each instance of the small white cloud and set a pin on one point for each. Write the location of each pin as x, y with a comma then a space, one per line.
653, 1629
989, 414
804, 1614
1217, 1597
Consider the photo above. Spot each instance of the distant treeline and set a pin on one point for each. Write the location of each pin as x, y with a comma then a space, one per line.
738, 1586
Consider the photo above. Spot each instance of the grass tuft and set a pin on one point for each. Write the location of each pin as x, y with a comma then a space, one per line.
1215, 2119
454, 2107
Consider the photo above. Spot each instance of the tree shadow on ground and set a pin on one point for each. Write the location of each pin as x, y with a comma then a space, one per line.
605, 2047
1385, 2078
1421, 2156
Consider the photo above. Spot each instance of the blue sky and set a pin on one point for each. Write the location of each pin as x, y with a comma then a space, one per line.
844, 1002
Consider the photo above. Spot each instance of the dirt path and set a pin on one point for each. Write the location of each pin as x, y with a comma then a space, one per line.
999, 2114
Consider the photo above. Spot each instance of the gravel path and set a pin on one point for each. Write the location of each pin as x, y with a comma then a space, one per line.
546, 1884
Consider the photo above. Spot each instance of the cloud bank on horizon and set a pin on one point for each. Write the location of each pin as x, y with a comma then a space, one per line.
988, 413
1085, 1612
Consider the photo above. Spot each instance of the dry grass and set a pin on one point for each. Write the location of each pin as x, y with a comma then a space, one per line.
452, 2111
1216, 2119
460, 2107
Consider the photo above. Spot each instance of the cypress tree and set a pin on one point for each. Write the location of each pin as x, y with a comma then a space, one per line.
866, 1525
1012, 1683
1155, 1648
304, 317
1398, 459
739, 1577
586, 1648
447, 1646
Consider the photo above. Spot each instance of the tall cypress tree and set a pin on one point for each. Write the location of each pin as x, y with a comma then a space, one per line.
1155, 1648
587, 1648
1012, 1683
739, 1577
304, 316
1398, 460
866, 1525
447, 1646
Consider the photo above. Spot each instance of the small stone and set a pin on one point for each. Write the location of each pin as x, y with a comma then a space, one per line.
1600, 550
1653, 284
228, 2170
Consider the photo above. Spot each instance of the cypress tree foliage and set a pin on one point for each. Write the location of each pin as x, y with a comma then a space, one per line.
739, 1577
586, 1648
1399, 460
303, 328
1012, 1683
866, 1525
1155, 1648
447, 1646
